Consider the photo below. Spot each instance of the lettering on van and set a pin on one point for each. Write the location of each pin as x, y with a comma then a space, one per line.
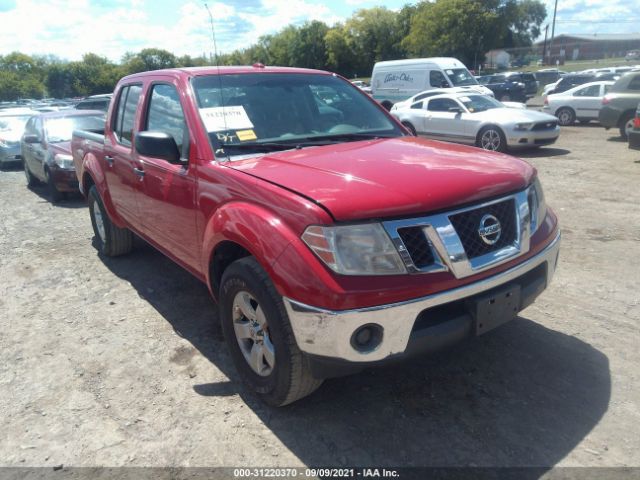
394, 77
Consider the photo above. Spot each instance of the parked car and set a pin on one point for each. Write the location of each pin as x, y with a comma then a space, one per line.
618, 106
311, 232
46, 148
12, 122
94, 102
432, 92
528, 79
582, 103
507, 88
549, 75
571, 80
632, 55
396, 80
634, 134
601, 77
478, 120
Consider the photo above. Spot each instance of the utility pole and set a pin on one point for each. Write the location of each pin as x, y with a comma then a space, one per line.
544, 49
553, 28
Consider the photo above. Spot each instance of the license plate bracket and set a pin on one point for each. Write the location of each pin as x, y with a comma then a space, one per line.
496, 308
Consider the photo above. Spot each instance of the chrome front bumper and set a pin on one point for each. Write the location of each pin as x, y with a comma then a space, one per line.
530, 138
328, 333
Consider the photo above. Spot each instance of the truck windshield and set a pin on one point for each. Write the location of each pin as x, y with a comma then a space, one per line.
249, 113
61, 129
460, 77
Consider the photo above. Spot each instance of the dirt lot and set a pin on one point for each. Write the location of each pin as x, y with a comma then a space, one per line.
121, 361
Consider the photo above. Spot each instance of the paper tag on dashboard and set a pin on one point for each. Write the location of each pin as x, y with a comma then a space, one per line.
218, 119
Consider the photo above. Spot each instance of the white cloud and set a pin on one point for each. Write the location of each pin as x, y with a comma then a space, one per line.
70, 28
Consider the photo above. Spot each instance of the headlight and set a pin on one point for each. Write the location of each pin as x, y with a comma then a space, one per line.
63, 161
355, 249
523, 126
537, 205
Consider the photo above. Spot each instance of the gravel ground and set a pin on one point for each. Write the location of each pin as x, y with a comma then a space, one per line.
121, 361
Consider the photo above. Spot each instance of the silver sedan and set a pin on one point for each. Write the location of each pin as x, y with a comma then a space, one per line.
478, 120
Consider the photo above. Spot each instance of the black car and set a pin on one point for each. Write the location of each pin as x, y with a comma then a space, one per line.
572, 80
634, 134
507, 88
545, 77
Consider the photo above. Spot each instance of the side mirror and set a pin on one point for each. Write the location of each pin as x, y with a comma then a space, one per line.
157, 145
31, 138
455, 110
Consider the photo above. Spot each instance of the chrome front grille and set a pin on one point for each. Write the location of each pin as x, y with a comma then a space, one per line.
466, 224
464, 241
418, 246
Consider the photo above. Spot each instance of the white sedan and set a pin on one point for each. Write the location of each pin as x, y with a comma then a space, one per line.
478, 120
471, 89
582, 103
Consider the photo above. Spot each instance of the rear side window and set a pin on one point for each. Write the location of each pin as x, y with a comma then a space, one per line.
123, 125
442, 104
592, 91
165, 113
528, 77
634, 84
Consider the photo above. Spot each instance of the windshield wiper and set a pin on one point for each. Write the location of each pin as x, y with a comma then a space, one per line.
348, 137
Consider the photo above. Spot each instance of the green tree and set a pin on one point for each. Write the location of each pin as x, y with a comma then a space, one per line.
148, 59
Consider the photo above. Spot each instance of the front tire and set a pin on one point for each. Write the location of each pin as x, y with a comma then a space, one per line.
31, 180
112, 240
55, 194
491, 138
259, 336
566, 116
410, 127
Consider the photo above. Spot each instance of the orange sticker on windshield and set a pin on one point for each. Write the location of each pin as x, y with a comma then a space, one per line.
244, 135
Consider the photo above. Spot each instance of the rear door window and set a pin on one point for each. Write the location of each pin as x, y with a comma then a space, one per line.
127, 104
592, 91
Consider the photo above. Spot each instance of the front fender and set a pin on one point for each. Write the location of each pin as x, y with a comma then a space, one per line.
255, 228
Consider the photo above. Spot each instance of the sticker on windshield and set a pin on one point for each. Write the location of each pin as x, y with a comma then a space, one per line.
218, 119
244, 135
449, 72
465, 99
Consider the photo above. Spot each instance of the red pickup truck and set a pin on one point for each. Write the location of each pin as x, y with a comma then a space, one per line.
331, 238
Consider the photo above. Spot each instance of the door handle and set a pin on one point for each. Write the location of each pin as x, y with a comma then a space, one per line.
109, 159
138, 171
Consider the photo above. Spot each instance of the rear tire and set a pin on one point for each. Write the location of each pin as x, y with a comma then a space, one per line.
492, 139
112, 240
566, 116
255, 325
626, 125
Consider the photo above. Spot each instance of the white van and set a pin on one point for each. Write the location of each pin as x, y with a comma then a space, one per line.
396, 80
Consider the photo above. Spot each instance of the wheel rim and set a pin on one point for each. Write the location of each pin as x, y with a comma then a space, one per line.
628, 126
99, 221
252, 333
490, 140
564, 117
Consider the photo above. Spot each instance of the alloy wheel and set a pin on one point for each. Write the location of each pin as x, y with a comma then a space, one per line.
490, 140
252, 333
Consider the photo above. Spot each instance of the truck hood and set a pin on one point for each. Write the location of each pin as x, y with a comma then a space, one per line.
390, 177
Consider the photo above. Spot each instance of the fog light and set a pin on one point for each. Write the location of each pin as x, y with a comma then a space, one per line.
367, 337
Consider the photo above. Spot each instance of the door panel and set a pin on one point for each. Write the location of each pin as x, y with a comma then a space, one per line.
167, 196
119, 162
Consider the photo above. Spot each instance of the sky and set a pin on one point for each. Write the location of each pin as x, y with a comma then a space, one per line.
70, 28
